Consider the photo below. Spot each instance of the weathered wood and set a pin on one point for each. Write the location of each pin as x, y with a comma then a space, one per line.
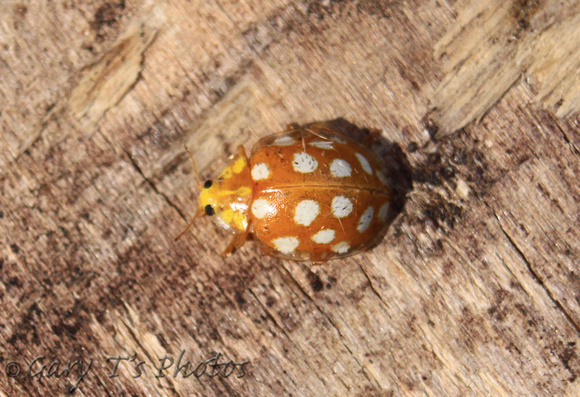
494, 43
475, 289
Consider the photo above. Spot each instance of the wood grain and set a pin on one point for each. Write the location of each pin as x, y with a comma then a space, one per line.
475, 290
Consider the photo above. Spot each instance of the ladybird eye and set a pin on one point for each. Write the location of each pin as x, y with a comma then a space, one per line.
207, 184
209, 210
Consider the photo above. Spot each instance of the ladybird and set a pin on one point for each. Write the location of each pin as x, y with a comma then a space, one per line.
308, 193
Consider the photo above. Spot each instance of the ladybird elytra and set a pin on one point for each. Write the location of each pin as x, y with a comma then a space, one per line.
308, 193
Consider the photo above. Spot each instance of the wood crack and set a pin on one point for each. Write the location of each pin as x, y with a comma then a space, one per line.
152, 184
371, 285
573, 148
538, 279
281, 329
342, 338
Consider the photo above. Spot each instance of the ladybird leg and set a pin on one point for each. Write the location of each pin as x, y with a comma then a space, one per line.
318, 258
372, 137
313, 132
292, 126
322, 128
242, 152
236, 243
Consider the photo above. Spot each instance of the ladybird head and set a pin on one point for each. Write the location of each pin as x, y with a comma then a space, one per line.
227, 198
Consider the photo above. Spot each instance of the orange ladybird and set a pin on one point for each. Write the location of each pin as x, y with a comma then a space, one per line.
309, 193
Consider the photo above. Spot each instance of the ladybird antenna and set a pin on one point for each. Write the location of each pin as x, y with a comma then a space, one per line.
190, 224
199, 183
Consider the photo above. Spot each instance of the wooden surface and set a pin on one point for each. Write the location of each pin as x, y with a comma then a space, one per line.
474, 291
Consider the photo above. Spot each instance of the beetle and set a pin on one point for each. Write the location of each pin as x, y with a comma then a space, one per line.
307, 193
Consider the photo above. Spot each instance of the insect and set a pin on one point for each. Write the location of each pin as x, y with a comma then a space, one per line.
308, 193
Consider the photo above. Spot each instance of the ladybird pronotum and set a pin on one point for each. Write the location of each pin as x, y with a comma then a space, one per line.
309, 193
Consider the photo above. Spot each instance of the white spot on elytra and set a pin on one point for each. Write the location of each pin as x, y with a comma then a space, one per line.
306, 211
340, 168
286, 245
341, 206
365, 219
260, 171
284, 141
384, 212
304, 163
324, 236
382, 177
341, 248
364, 163
261, 208
322, 144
